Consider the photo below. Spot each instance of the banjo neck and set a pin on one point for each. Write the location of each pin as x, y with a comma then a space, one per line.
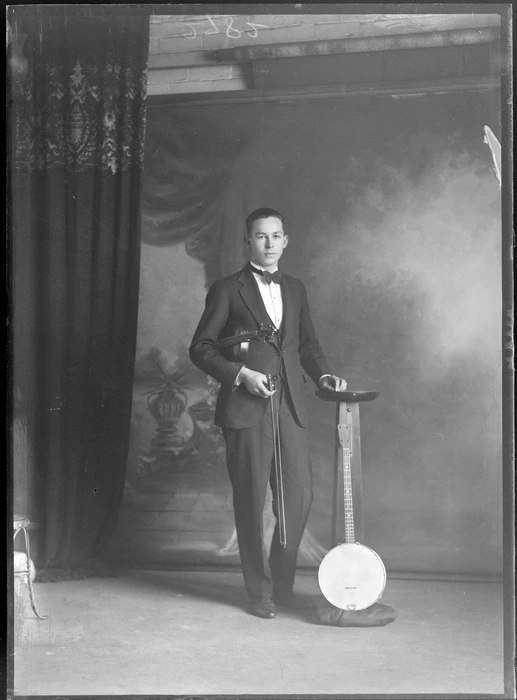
345, 441
347, 414
347, 524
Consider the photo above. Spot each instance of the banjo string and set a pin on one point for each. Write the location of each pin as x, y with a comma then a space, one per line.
348, 505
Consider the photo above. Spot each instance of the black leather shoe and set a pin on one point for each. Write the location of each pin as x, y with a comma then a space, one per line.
263, 607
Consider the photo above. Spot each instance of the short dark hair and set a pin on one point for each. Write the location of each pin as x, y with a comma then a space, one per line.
262, 213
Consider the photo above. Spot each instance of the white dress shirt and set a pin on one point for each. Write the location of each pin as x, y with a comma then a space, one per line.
271, 296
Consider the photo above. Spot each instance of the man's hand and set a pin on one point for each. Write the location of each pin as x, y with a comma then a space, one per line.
255, 382
332, 383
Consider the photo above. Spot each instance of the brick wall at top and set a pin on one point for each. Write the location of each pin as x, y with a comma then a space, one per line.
181, 48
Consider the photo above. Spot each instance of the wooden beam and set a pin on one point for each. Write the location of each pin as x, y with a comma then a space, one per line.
394, 42
319, 92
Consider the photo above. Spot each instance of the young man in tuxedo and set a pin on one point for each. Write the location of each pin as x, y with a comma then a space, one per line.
260, 296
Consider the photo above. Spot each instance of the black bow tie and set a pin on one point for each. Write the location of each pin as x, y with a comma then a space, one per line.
269, 276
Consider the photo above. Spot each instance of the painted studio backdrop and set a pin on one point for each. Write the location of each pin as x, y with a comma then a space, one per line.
393, 213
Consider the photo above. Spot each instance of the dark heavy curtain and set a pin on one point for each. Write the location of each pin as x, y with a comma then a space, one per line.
78, 115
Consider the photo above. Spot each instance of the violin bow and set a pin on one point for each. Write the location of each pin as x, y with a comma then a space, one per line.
277, 459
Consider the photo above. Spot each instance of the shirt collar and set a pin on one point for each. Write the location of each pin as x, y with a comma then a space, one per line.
258, 267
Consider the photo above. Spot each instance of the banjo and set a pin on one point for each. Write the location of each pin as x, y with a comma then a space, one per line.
351, 576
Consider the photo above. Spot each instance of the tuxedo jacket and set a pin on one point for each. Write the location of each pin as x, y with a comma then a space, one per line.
235, 302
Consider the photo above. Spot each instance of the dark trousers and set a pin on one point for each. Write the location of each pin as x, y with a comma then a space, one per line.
249, 457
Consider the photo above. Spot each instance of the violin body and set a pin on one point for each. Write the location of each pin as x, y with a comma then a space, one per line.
237, 346
238, 352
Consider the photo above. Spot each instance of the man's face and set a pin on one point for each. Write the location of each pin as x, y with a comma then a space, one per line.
267, 241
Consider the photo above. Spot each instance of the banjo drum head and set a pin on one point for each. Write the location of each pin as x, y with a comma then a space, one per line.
352, 576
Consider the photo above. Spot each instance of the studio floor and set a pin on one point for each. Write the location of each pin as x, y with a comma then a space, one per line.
187, 633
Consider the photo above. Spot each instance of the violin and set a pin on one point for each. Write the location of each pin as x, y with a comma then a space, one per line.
236, 346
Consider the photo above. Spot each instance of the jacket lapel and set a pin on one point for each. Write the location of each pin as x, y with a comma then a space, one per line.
251, 297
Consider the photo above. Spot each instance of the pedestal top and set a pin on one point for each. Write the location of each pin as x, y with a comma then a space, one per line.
346, 396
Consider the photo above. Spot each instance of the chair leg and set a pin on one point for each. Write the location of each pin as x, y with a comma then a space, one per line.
29, 580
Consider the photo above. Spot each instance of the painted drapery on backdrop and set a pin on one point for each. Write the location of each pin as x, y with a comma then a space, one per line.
186, 187
79, 82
